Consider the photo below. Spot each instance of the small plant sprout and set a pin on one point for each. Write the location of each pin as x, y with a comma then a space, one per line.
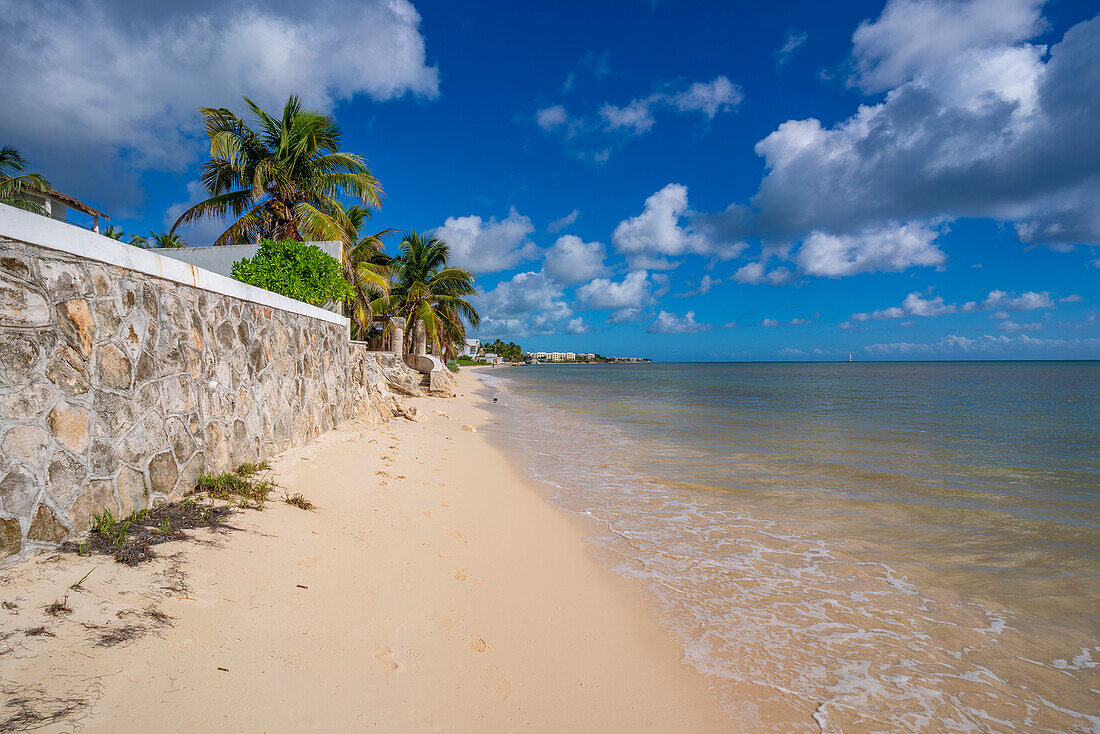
77, 585
58, 607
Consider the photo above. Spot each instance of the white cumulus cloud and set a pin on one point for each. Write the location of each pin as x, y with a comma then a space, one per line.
891, 249
664, 230
668, 323
631, 292
89, 79
571, 260
912, 36
976, 123
488, 246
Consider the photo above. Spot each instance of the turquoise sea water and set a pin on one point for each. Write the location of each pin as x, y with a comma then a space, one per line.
850, 547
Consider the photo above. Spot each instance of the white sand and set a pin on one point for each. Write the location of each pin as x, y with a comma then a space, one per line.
448, 596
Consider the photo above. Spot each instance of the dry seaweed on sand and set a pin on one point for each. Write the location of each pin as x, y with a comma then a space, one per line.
131, 540
119, 635
26, 708
39, 631
298, 500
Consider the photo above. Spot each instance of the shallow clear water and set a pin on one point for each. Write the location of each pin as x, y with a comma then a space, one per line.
852, 547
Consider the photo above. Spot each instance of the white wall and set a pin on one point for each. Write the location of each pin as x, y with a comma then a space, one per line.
220, 259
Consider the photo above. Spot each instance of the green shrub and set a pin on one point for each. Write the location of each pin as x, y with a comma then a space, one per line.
296, 270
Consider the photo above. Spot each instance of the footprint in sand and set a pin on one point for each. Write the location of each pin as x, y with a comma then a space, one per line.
414, 658
494, 680
460, 574
451, 619
478, 644
382, 654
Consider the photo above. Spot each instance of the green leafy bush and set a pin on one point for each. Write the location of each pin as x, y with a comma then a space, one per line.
296, 270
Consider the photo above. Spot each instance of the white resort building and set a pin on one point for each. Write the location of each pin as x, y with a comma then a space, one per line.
471, 348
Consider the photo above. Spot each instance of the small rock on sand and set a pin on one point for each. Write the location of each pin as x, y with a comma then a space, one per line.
469, 428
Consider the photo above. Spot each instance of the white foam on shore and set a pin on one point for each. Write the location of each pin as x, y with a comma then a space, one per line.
764, 601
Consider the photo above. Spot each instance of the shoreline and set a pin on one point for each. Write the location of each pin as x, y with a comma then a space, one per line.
435, 586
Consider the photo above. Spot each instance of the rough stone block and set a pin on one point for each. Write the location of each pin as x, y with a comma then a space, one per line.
146, 368
20, 306
18, 492
107, 319
131, 490
26, 444
28, 403
102, 458
64, 477
11, 537
180, 439
116, 412
19, 356
149, 300
94, 497
15, 264
45, 527
163, 473
190, 472
64, 279
69, 424
77, 324
143, 440
68, 370
114, 368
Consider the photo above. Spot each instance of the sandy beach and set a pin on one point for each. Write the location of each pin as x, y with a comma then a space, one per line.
433, 589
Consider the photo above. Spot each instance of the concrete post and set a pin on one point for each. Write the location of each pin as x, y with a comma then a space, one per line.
397, 336
420, 340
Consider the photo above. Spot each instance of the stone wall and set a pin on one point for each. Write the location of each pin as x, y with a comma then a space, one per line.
118, 388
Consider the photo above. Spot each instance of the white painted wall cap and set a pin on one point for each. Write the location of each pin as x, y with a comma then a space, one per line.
51, 234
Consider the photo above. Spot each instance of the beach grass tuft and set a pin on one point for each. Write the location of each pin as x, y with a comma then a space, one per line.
251, 468
242, 487
298, 500
58, 607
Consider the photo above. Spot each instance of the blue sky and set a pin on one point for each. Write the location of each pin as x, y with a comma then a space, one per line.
687, 180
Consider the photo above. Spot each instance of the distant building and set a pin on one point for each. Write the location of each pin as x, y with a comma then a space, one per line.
470, 348
491, 358
57, 206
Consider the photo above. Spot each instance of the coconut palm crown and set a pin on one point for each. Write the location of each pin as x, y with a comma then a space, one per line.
365, 263
15, 181
425, 289
278, 177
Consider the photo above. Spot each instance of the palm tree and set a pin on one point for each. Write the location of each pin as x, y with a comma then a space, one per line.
15, 182
115, 233
366, 265
424, 289
279, 177
166, 239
